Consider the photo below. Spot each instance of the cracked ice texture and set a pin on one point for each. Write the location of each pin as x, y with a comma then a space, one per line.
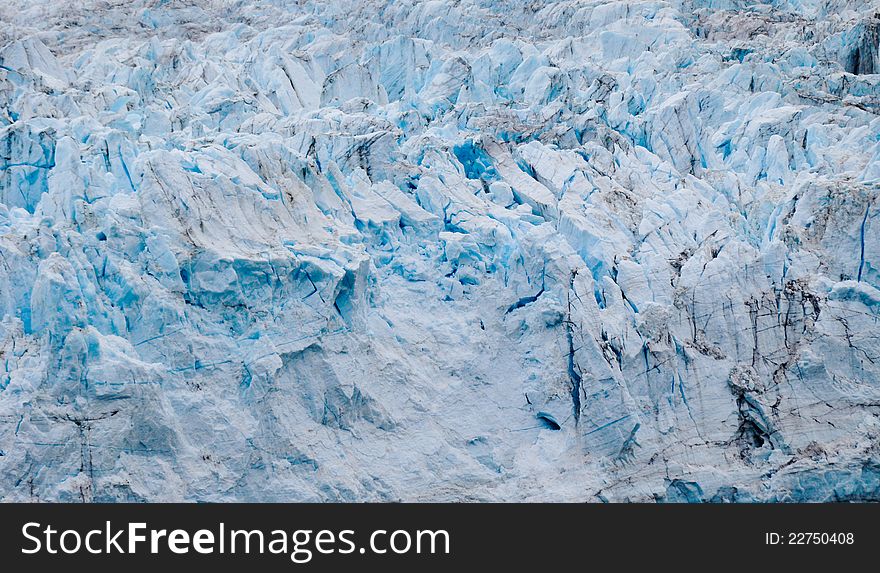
483, 250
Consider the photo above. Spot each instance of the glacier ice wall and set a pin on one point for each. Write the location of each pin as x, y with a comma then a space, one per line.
476, 250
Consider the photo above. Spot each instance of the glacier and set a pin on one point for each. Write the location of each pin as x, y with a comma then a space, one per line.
471, 250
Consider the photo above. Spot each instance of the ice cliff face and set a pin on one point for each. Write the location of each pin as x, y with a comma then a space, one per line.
481, 249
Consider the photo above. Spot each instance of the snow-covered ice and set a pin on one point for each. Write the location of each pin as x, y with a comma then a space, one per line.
572, 250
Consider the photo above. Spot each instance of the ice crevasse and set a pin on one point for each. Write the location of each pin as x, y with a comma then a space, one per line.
571, 250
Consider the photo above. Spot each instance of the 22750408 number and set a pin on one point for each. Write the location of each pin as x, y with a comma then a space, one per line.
809, 538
